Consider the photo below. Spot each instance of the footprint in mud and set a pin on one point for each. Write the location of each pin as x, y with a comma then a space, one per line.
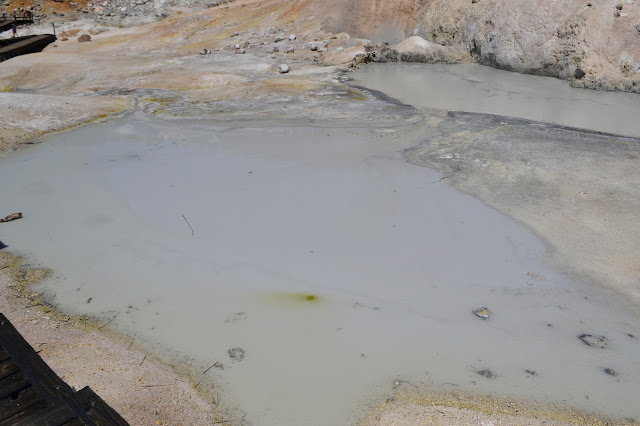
487, 373
593, 340
237, 317
236, 354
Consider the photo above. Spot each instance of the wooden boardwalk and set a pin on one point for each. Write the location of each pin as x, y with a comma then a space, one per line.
32, 394
9, 20
11, 47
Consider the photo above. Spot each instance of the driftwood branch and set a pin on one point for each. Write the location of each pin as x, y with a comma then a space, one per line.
11, 217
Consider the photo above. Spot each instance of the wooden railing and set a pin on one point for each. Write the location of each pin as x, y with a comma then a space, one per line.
18, 17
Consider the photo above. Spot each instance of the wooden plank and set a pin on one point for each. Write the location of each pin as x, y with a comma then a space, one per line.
57, 415
18, 417
7, 368
48, 384
75, 422
25, 400
94, 411
3, 354
12, 384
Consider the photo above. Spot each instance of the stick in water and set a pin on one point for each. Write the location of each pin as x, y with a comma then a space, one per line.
185, 219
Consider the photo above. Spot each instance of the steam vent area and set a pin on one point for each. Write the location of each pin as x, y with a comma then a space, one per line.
319, 212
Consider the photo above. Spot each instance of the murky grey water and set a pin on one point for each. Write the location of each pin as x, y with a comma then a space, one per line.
476, 88
198, 239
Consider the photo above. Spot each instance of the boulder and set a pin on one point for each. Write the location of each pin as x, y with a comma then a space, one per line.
417, 49
84, 37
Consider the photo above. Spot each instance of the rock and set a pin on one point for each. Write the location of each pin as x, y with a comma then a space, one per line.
475, 1
314, 47
279, 39
610, 371
84, 37
233, 34
292, 37
417, 49
237, 46
11, 217
482, 313
290, 50
340, 49
241, 51
486, 373
283, 68
638, 26
123, 9
236, 354
619, 6
204, 51
595, 341
579, 73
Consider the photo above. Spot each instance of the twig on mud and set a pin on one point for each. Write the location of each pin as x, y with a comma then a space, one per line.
185, 219
441, 179
107, 323
145, 357
228, 421
217, 363
155, 386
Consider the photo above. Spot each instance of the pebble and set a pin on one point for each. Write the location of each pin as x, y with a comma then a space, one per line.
283, 69
292, 37
482, 313
290, 50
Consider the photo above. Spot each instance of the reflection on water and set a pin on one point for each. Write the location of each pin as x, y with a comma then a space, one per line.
476, 88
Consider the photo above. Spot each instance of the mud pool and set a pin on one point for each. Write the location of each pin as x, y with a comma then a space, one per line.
336, 266
476, 88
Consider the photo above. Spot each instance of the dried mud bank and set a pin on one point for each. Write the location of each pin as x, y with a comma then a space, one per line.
577, 189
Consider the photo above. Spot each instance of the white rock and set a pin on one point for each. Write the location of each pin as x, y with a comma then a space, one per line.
292, 37
283, 68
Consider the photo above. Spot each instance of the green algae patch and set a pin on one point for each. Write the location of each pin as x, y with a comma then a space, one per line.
285, 299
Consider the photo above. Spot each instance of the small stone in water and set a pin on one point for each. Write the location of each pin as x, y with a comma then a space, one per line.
482, 313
